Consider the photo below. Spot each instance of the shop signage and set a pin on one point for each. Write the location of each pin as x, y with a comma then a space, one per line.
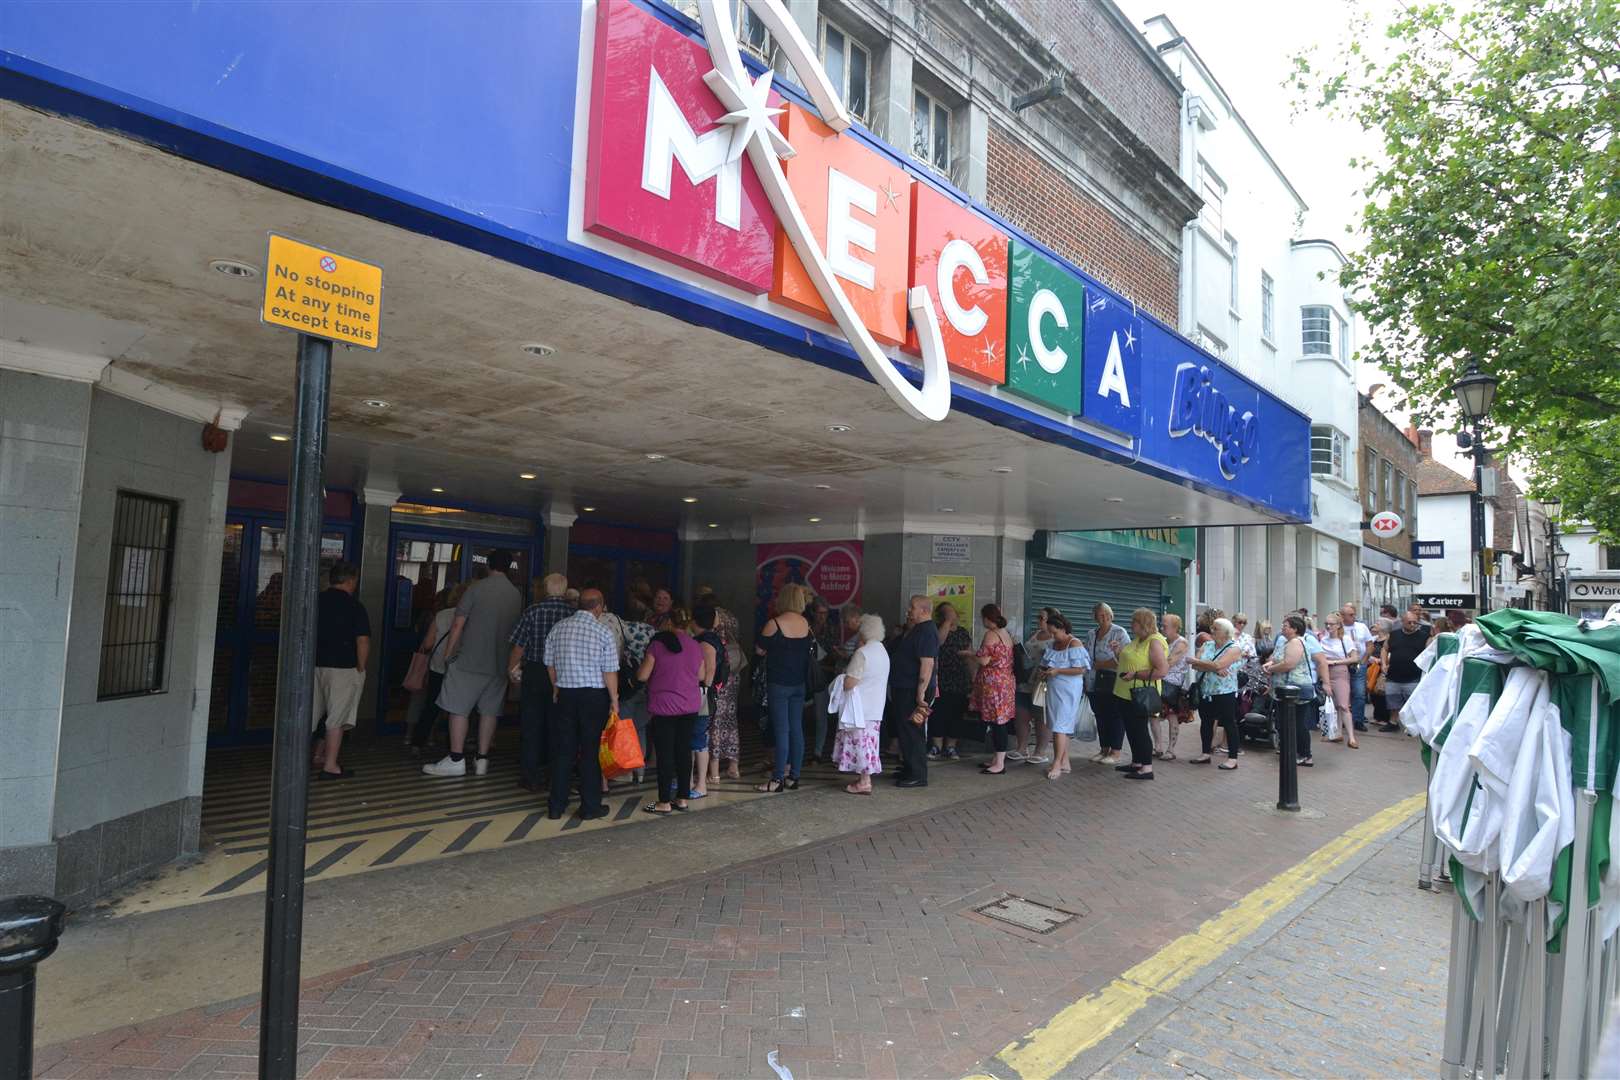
1606, 590
957, 591
693, 161
831, 570
1446, 601
1428, 549
950, 549
1200, 407
1387, 524
319, 292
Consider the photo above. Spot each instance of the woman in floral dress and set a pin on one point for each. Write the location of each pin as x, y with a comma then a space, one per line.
723, 744
855, 749
995, 695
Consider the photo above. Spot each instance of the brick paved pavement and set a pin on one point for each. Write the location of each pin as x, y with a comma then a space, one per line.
849, 957
1352, 986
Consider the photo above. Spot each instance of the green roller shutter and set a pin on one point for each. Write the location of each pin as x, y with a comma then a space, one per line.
1074, 589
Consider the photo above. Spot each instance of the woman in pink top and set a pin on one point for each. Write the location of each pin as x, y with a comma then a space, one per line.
674, 669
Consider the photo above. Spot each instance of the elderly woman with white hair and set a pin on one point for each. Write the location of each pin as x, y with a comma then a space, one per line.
855, 749
1218, 662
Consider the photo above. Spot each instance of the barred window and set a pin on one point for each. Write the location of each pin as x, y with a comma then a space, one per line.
1316, 326
140, 579
1327, 451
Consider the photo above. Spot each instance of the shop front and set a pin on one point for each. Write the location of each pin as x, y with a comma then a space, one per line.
1592, 597
1386, 579
1124, 568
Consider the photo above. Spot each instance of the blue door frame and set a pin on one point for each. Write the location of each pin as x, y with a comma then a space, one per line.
389, 638
242, 635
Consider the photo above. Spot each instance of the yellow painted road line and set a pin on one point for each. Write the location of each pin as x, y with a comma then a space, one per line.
1047, 1050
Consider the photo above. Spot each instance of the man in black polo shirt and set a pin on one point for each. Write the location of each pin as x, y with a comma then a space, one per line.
1406, 642
911, 686
342, 646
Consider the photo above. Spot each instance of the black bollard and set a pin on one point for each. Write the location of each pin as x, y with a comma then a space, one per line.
1287, 698
29, 929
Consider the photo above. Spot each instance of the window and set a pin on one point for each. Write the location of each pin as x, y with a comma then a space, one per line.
1611, 557
1371, 494
849, 67
135, 625
1268, 307
752, 33
1213, 191
1386, 494
930, 131
1344, 338
1213, 343
1327, 451
1232, 292
1316, 329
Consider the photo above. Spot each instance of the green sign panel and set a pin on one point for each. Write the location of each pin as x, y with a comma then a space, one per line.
1045, 330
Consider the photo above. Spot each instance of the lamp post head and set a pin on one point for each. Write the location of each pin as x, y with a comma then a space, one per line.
1476, 392
1560, 559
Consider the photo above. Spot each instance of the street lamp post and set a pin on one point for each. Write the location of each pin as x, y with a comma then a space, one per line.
1557, 557
1476, 391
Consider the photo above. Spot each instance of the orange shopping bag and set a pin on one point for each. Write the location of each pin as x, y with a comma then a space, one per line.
620, 750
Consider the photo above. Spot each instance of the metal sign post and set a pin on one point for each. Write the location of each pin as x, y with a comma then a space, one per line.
295, 681
1288, 748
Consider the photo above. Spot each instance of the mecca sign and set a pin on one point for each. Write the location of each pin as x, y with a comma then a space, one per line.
1386, 525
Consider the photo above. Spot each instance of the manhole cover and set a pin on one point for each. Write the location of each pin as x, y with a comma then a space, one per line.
1026, 914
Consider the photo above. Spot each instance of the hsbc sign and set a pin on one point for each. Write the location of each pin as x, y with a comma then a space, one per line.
1386, 525
694, 161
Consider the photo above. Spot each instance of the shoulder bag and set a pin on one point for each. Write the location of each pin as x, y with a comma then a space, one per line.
1145, 700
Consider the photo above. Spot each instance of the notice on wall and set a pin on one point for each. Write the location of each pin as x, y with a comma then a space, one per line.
950, 549
956, 590
322, 293
831, 570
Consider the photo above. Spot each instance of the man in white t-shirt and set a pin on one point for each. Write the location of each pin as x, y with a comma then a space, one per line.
1358, 674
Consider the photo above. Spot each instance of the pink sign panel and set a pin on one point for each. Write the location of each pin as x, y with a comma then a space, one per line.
832, 570
657, 178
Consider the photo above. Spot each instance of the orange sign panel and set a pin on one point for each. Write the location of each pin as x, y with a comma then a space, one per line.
858, 204
961, 259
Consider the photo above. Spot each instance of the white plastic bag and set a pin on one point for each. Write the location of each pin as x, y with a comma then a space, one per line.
1085, 729
1328, 725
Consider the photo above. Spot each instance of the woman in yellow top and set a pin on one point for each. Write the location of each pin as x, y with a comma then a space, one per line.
1143, 662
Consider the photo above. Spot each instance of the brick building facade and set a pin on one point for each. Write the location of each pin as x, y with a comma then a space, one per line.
1389, 465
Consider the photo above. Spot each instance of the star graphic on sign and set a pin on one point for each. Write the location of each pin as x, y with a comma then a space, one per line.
891, 195
1023, 357
750, 115
1130, 338
989, 351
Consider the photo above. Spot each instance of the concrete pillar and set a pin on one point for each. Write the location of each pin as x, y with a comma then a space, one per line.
1281, 558
978, 149
44, 425
379, 504
558, 519
891, 97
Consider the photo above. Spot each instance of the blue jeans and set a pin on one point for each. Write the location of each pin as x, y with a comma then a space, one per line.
787, 724
1358, 696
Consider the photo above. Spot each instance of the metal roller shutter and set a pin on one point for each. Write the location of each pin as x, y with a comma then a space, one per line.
1075, 589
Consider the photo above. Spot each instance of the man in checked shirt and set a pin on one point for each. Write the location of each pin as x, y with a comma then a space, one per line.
583, 662
527, 666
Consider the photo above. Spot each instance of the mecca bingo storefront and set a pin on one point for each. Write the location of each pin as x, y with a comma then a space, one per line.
601, 345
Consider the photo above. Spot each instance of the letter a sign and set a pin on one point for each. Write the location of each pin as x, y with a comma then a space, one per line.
1113, 375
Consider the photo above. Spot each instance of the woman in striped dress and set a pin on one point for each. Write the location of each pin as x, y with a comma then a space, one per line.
723, 744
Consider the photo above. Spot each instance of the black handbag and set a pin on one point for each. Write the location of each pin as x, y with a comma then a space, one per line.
1145, 701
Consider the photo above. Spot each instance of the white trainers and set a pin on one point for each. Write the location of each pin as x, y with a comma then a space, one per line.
480, 766
446, 767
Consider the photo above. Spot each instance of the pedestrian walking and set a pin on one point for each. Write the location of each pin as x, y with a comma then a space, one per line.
1143, 663
913, 682
1104, 643
1401, 673
1342, 653
866, 681
527, 667
674, 670
785, 643
995, 692
1063, 672
582, 661
477, 675
1217, 665
1291, 665
342, 649
1361, 633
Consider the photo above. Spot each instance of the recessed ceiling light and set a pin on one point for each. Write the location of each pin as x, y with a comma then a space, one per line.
1115, 499
823, 487
688, 499
714, 524
655, 456
837, 429
377, 403
815, 521
232, 268
526, 476
947, 509
280, 438
1002, 469
437, 491
1175, 517
534, 348
587, 509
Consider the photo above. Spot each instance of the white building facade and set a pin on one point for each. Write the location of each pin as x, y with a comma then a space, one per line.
1267, 301
1593, 572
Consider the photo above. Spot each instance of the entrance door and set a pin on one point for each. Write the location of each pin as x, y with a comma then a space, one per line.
424, 567
247, 636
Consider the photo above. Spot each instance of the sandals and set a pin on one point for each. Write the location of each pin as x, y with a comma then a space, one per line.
771, 788
1169, 755
1227, 766
1305, 763
853, 790
652, 808
1201, 759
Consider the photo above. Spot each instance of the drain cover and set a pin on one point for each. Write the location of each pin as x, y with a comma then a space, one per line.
1026, 914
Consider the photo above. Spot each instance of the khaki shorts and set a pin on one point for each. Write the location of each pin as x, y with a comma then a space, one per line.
465, 691
337, 696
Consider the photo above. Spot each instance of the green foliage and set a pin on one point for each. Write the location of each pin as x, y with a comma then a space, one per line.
1492, 224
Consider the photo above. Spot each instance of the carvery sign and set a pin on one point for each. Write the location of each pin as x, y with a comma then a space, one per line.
693, 161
